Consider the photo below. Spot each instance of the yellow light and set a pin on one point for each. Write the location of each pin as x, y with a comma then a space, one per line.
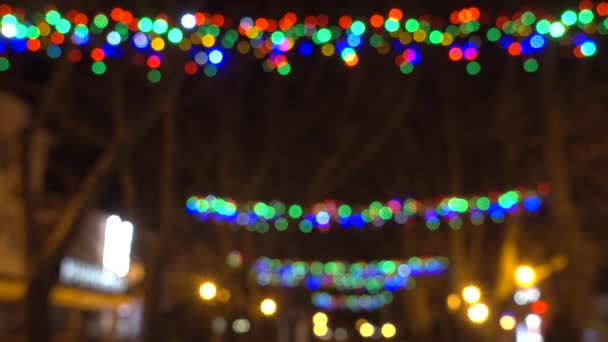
478, 313
320, 319
207, 291
453, 302
388, 330
268, 307
525, 276
320, 330
224, 296
507, 322
366, 330
158, 44
471, 294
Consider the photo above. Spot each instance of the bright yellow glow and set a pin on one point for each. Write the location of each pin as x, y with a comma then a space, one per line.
478, 313
366, 330
388, 330
320, 330
320, 319
158, 44
268, 307
507, 322
525, 276
453, 302
471, 294
207, 291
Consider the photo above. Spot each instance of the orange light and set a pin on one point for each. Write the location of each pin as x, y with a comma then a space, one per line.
474, 13
540, 307
57, 38
465, 16
218, 20
352, 62
395, 13
454, 18
97, 54
291, 18
81, 19
602, 9
376, 20
455, 54
261, 24
345, 22
515, 49
116, 14
33, 44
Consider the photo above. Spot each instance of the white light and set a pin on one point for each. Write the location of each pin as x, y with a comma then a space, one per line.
117, 246
219, 325
188, 21
241, 326
9, 30
114, 38
527, 296
533, 321
340, 334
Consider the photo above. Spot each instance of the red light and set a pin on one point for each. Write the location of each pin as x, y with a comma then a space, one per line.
190, 68
153, 62
376, 20
540, 307
455, 54
97, 54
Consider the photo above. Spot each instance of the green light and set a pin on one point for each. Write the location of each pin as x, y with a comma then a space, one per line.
160, 26
277, 37
9, 19
154, 76
494, 34
210, 70
455, 223
295, 211
389, 267
528, 18
585, 16
406, 68
52, 17
323, 35
436, 37
385, 213
101, 21
376, 40
215, 31
281, 224
262, 227
260, 209
344, 211
4, 64
358, 28
432, 224
99, 68
483, 203
232, 36
284, 69
145, 24
588, 48
346, 53
306, 226
569, 18
63, 26
175, 35
543, 26
21, 31
531, 65
557, 30
412, 25
472, 26
473, 68
391, 25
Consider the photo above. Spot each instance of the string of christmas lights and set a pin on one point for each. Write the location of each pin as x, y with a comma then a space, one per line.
260, 216
373, 277
210, 39
355, 303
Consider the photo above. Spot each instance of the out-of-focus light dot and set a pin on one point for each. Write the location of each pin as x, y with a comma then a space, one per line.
391, 25
241, 326
4, 64
52, 17
268, 307
320, 318
328, 50
219, 325
210, 70
478, 313
507, 322
160, 26
406, 68
388, 330
531, 65
366, 330
471, 294
98, 68
140, 40
53, 51
216, 56
543, 26
588, 48
188, 21
537, 41
357, 27
207, 291
473, 68
145, 25
557, 30
493, 34
320, 330
190, 68
569, 18
455, 54
436, 37
201, 58
323, 35
175, 35
340, 334
533, 321
113, 38
453, 302
158, 44
154, 76
412, 25
525, 276
63, 26
305, 49
9, 30
277, 37
585, 16
101, 21
348, 54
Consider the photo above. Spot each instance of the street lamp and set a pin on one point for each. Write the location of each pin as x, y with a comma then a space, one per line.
388, 330
471, 294
507, 322
320, 318
478, 313
525, 276
207, 291
366, 330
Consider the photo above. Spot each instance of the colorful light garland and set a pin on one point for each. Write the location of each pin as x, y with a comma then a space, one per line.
260, 216
209, 39
373, 277
355, 303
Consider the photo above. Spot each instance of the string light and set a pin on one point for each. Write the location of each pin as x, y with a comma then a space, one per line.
354, 303
274, 40
451, 211
372, 277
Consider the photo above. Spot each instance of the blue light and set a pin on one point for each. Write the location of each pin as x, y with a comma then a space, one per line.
532, 203
322, 218
537, 41
305, 49
140, 40
353, 40
313, 283
53, 51
505, 42
20, 45
216, 56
